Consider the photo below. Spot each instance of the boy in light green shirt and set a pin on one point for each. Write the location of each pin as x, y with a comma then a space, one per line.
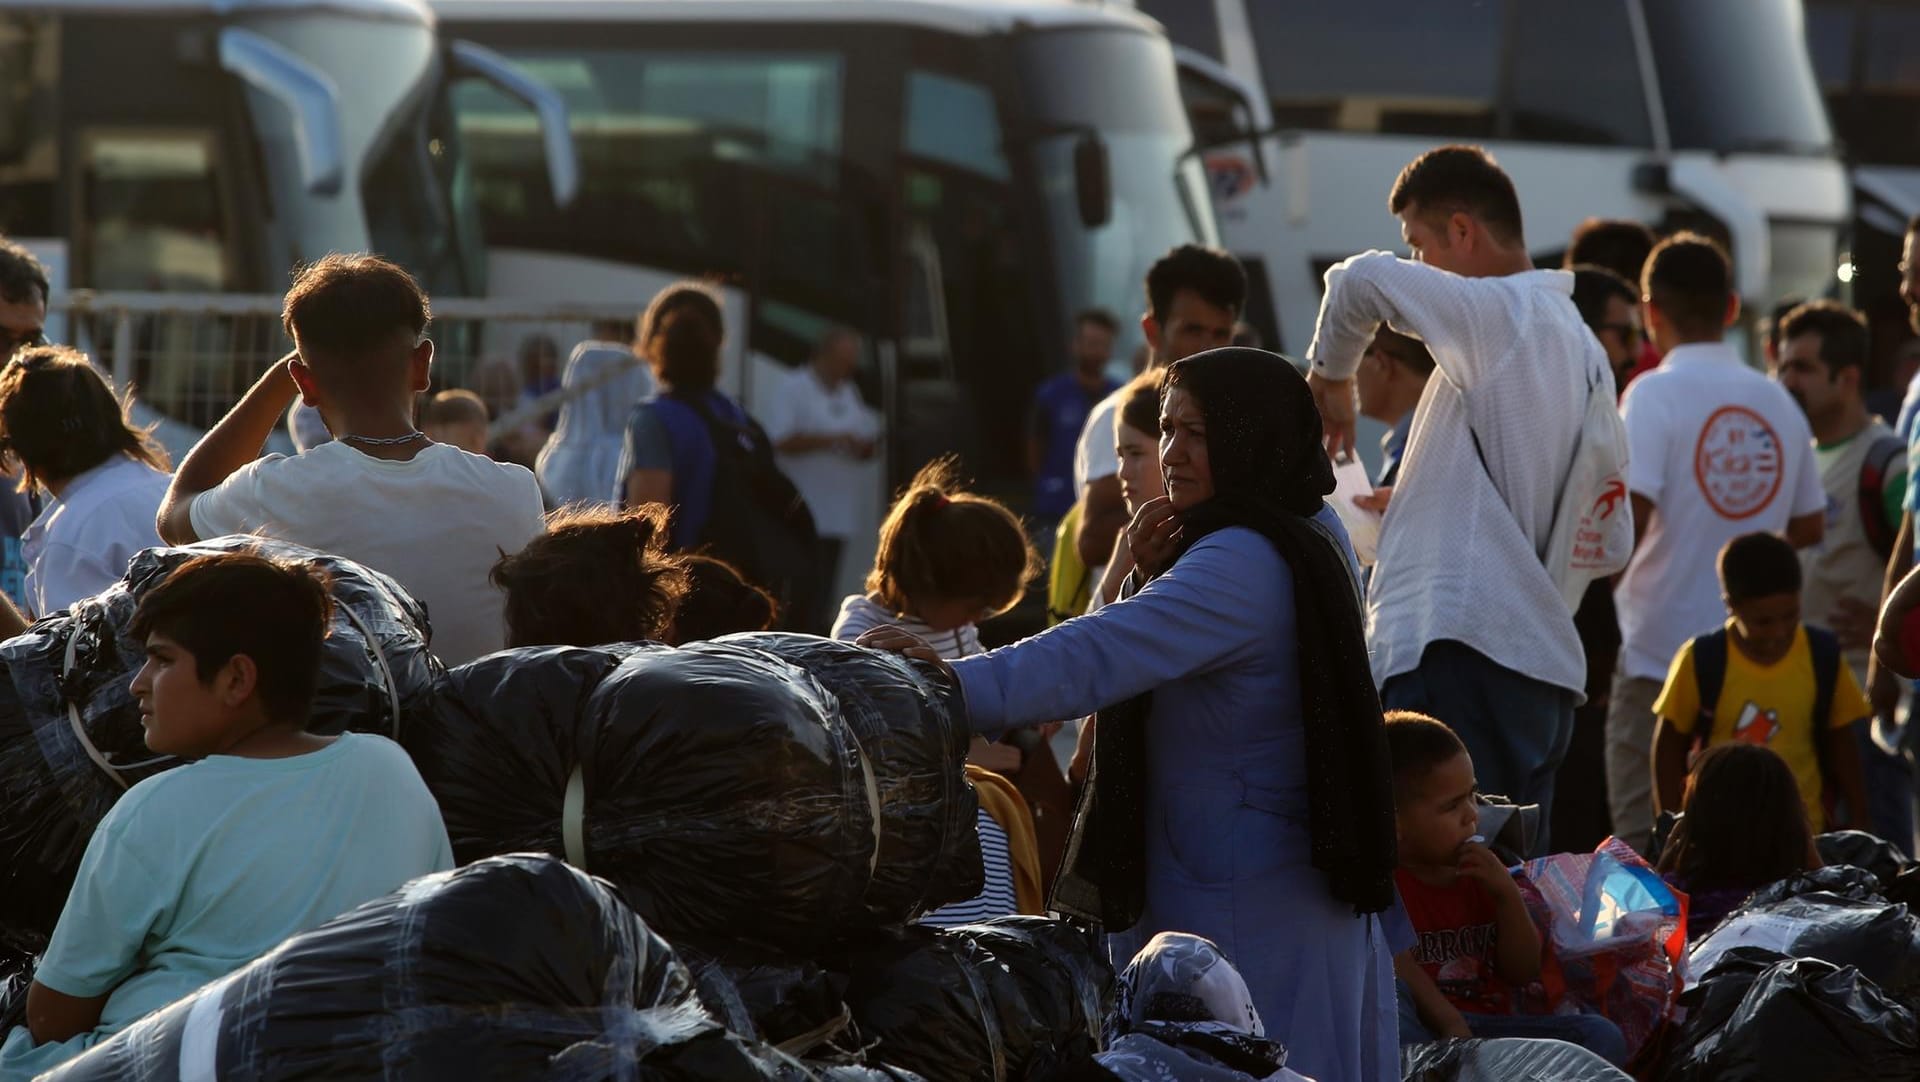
270, 832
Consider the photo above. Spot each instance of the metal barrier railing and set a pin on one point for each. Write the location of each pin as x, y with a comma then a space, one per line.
190, 357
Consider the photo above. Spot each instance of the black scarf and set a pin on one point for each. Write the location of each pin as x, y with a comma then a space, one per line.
1270, 474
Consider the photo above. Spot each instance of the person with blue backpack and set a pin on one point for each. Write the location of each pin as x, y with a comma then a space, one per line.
1767, 679
692, 448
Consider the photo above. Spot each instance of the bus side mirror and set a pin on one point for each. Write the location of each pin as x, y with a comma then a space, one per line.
1093, 180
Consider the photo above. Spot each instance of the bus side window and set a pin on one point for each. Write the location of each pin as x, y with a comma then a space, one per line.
152, 217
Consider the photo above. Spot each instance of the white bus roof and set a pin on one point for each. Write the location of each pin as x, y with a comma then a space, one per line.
957, 16
412, 11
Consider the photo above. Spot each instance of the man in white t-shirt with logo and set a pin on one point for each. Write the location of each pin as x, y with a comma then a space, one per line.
824, 434
1194, 298
434, 517
1716, 450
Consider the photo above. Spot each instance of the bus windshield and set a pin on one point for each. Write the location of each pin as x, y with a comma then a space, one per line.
1159, 188
1734, 76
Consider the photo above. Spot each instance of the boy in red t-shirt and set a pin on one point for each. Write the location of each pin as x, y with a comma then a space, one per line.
1475, 940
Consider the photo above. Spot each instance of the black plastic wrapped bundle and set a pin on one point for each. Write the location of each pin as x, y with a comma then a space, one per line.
1758, 1015
70, 734
912, 726
1000, 1001
715, 785
512, 968
1858, 929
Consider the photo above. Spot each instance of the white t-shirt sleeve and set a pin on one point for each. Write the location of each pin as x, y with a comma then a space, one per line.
1647, 439
781, 418
1809, 495
1096, 455
237, 504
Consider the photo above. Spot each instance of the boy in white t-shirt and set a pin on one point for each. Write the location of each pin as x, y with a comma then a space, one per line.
1715, 450
434, 517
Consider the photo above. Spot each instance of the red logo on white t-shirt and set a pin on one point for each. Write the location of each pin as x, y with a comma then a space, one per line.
1738, 462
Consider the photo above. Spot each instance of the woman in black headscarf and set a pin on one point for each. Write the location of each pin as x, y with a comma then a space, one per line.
1241, 789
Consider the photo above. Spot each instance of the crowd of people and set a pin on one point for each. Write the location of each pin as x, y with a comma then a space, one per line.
1277, 747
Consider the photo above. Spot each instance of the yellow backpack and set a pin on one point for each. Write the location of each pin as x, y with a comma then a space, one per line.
1069, 583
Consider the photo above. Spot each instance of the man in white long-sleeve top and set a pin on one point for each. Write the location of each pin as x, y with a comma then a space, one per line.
1464, 622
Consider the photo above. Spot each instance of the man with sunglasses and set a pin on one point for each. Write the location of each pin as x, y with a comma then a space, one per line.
1610, 306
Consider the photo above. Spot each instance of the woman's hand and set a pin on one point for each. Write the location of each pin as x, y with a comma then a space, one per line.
1154, 536
894, 640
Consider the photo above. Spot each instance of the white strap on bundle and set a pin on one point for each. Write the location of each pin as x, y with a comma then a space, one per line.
379, 662
73, 715
573, 813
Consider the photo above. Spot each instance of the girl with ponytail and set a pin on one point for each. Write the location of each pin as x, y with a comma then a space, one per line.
948, 559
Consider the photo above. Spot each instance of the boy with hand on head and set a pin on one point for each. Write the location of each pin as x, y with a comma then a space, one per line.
1766, 679
383, 493
269, 832
1475, 941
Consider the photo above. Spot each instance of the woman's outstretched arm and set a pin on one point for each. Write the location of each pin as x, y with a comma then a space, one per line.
1227, 598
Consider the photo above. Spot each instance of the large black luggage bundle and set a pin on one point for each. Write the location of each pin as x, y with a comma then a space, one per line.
70, 734
729, 795
715, 785
912, 727
512, 968
1008, 1000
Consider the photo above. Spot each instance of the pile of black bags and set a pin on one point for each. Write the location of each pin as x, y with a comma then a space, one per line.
1015, 998
512, 968
70, 734
774, 792
1758, 1016
1812, 977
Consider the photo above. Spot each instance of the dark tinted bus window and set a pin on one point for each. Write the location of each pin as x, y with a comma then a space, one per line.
1576, 78
1416, 67
1192, 23
1830, 43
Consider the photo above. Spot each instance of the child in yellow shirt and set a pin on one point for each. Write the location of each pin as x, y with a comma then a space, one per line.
1780, 684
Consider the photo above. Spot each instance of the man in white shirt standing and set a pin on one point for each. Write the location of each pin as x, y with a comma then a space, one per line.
1715, 450
1194, 299
823, 435
434, 517
1464, 622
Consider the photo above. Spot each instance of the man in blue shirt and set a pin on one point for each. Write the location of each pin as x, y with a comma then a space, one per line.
1392, 377
1060, 410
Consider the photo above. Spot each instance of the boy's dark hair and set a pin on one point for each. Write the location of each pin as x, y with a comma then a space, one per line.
1099, 317
1776, 316
1756, 565
1406, 349
1215, 275
595, 576
1745, 825
720, 601
1416, 744
1140, 401
941, 542
21, 274
1620, 245
1593, 287
1842, 331
222, 605
1460, 179
680, 336
454, 407
1689, 279
343, 307
60, 418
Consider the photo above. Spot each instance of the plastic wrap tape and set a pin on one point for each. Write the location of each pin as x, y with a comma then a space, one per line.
99, 760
